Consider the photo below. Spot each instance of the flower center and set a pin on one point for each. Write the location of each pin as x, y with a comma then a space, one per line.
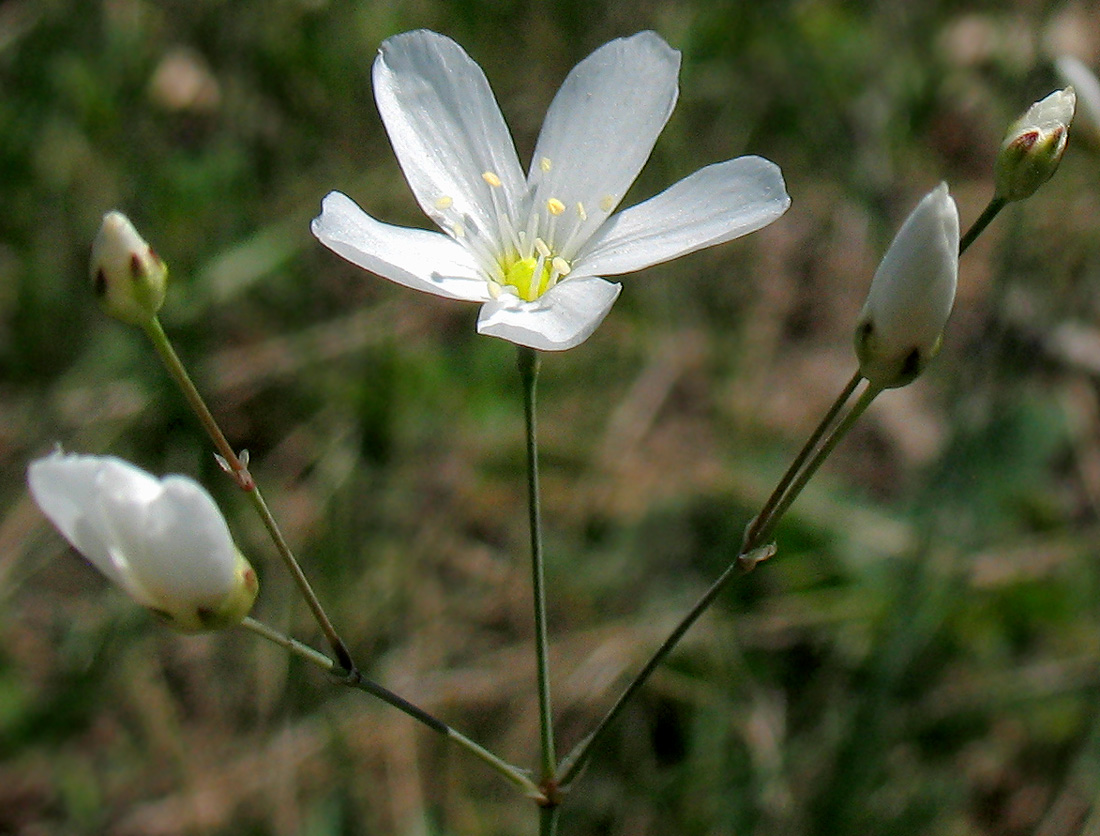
530, 254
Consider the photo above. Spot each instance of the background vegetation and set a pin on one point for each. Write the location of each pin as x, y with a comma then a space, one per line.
923, 656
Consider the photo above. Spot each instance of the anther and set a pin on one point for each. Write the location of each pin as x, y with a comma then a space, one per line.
607, 202
444, 202
545, 165
561, 266
491, 179
555, 206
542, 248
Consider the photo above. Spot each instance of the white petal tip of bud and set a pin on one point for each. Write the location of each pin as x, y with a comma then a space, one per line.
128, 277
1033, 147
911, 296
162, 541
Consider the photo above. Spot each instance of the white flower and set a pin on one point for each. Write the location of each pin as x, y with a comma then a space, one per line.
127, 275
911, 295
1087, 87
163, 541
1033, 146
533, 248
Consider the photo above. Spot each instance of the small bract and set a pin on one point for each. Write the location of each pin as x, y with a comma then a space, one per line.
532, 249
911, 296
163, 541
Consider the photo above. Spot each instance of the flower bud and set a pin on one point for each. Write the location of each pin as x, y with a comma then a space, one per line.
1087, 87
1033, 146
911, 296
163, 541
128, 277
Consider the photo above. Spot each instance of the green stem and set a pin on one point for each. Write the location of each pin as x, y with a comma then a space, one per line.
841, 430
574, 762
548, 820
238, 469
996, 204
529, 371
752, 552
761, 519
358, 681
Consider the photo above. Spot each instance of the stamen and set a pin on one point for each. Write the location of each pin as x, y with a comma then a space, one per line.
444, 202
583, 215
554, 206
559, 269
545, 165
491, 179
543, 250
607, 202
494, 289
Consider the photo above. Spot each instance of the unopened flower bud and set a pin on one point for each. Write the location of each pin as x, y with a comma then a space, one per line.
163, 541
911, 296
128, 277
1087, 87
1033, 146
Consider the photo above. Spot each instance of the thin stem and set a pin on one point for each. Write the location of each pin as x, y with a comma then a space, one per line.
761, 519
841, 430
790, 486
996, 204
529, 371
356, 680
571, 766
548, 820
238, 469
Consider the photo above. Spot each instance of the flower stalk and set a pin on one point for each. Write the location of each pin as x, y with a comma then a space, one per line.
237, 467
528, 361
514, 774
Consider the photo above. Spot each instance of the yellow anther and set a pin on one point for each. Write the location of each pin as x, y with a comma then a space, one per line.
491, 179
545, 165
543, 249
581, 213
555, 206
561, 266
444, 202
459, 230
607, 202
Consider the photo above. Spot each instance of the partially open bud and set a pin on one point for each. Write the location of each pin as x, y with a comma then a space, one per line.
1087, 87
128, 277
163, 541
911, 296
1033, 146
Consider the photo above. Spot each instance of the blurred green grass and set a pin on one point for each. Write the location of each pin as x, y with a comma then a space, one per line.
923, 655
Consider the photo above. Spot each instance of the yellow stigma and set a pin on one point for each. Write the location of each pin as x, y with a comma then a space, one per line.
521, 275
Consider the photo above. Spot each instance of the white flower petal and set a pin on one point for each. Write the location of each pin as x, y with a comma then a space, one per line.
188, 553
563, 317
65, 486
446, 128
912, 294
162, 541
416, 258
714, 205
602, 125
